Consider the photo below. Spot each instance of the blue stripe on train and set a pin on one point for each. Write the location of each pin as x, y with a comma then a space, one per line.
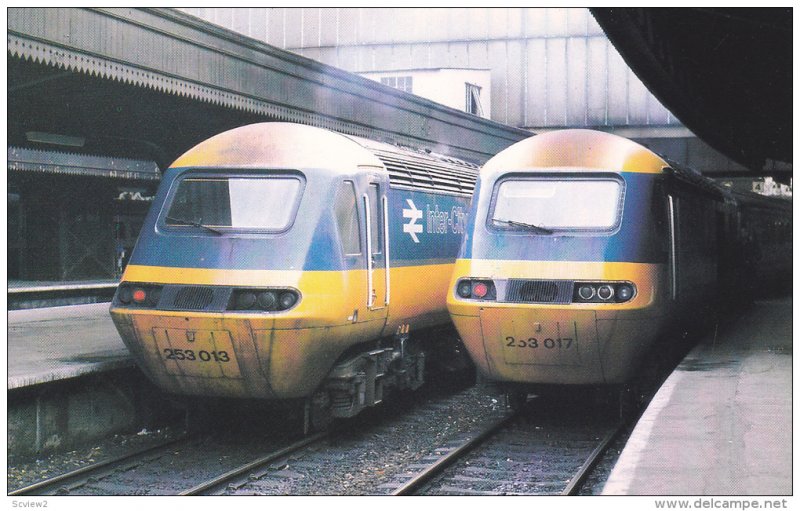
641, 237
424, 228
425, 225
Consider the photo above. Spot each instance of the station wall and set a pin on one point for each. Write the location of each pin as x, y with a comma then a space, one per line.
550, 67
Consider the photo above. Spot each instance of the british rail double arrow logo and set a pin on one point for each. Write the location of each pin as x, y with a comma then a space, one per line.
412, 228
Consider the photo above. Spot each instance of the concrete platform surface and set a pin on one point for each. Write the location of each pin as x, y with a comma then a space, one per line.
722, 422
26, 286
62, 342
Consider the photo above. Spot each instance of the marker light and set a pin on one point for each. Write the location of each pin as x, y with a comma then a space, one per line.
287, 299
125, 294
139, 296
480, 289
624, 292
476, 289
465, 289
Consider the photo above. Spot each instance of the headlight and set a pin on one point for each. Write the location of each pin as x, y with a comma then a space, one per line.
603, 292
261, 300
267, 300
245, 300
586, 292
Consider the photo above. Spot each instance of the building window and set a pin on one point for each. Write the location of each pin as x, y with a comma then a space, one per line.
473, 100
403, 83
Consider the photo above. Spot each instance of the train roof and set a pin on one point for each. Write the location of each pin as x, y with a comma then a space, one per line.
589, 150
423, 170
299, 146
755, 200
577, 149
278, 144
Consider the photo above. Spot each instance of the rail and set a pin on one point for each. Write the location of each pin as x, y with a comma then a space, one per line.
222, 481
576, 483
426, 478
437, 468
61, 484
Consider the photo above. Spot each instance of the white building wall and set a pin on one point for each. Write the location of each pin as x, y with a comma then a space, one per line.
445, 86
548, 68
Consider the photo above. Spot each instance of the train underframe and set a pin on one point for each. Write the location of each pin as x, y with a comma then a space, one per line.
363, 377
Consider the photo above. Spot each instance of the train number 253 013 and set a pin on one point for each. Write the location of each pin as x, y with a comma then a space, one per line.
560, 343
202, 355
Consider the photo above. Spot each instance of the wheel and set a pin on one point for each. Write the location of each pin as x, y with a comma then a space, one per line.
317, 414
629, 400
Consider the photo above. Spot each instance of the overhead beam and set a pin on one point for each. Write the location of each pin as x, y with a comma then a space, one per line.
173, 52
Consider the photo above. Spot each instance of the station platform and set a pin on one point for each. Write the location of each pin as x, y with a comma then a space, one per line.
722, 422
56, 343
26, 294
36, 286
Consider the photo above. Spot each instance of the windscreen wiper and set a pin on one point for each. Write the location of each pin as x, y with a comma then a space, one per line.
534, 228
183, 221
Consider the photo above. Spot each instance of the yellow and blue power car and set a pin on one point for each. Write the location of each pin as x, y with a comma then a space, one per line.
282, 261
583, 248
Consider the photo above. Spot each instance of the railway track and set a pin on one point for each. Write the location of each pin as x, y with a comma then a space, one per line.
239, 476
518, 455
532, 452
358, 461
193, 466
77, 481
426, 449
64, 484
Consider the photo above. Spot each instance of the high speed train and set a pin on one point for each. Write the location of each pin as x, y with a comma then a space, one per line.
583, 248
281, 261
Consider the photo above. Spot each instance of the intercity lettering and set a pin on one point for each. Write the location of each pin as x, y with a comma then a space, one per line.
443, 222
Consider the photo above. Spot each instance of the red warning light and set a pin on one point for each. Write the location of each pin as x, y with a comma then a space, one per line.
480, 290
139, 295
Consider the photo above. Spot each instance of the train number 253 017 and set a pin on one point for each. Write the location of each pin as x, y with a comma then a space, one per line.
560, 343
202, 355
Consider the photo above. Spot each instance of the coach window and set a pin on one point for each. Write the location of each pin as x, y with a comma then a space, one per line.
346, 212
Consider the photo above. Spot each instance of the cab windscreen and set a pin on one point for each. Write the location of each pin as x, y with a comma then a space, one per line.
262, 203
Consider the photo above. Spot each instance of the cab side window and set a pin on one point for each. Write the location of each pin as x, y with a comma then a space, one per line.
346, 212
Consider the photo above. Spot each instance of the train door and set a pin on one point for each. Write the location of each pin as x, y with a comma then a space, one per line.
375, 209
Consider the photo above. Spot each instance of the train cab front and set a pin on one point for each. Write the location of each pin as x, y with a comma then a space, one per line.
562, 278
204, 339
545, 327
223, 295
